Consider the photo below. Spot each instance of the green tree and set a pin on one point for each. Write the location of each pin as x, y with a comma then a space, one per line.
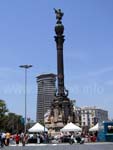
9, 121
13, 123
3, 110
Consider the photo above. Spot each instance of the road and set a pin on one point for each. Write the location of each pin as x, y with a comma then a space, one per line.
92, 146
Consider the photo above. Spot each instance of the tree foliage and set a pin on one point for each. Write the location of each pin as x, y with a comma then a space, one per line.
9, 121
3, 108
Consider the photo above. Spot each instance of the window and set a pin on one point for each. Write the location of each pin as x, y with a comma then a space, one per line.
83, 123
110, 129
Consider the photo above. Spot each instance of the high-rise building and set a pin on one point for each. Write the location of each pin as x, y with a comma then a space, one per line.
46, 84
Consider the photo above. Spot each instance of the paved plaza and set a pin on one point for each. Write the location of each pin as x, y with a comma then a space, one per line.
87, 146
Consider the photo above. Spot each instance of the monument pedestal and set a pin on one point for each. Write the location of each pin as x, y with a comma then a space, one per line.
61, 113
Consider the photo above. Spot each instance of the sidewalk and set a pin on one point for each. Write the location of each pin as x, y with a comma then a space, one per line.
54, 144
42, 144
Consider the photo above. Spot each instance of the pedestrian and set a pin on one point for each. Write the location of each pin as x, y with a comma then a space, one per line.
7, 139
73, 139
3, 136
17, 138
24, 138
1, 143
38, 138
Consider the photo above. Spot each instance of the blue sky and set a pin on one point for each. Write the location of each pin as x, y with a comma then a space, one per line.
27, 37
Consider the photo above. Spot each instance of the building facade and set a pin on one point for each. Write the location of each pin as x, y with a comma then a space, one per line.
46, 87
77, 111
91, 115
87, 117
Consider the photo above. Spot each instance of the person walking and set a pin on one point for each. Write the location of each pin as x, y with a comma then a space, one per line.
17, 139
7, 138
3, 137
1, 142
23, 138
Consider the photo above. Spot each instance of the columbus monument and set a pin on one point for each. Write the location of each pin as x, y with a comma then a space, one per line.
62, 107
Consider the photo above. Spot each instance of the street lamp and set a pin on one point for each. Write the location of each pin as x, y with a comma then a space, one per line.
25, 67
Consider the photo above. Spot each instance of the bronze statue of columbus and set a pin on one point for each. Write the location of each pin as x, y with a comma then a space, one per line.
59, 14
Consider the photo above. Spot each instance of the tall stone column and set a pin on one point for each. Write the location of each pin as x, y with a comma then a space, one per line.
62, 100
59, 38
62, 107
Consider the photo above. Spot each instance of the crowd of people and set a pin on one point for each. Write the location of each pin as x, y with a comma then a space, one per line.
76, 137
7, 138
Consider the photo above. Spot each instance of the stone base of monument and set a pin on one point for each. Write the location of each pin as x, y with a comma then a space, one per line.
61, 113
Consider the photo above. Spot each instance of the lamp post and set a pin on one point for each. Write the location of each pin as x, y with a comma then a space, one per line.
25, 67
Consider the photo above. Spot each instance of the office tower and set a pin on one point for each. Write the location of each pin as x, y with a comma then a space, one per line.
45, 94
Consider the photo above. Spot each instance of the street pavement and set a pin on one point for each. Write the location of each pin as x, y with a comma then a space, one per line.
86, 146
